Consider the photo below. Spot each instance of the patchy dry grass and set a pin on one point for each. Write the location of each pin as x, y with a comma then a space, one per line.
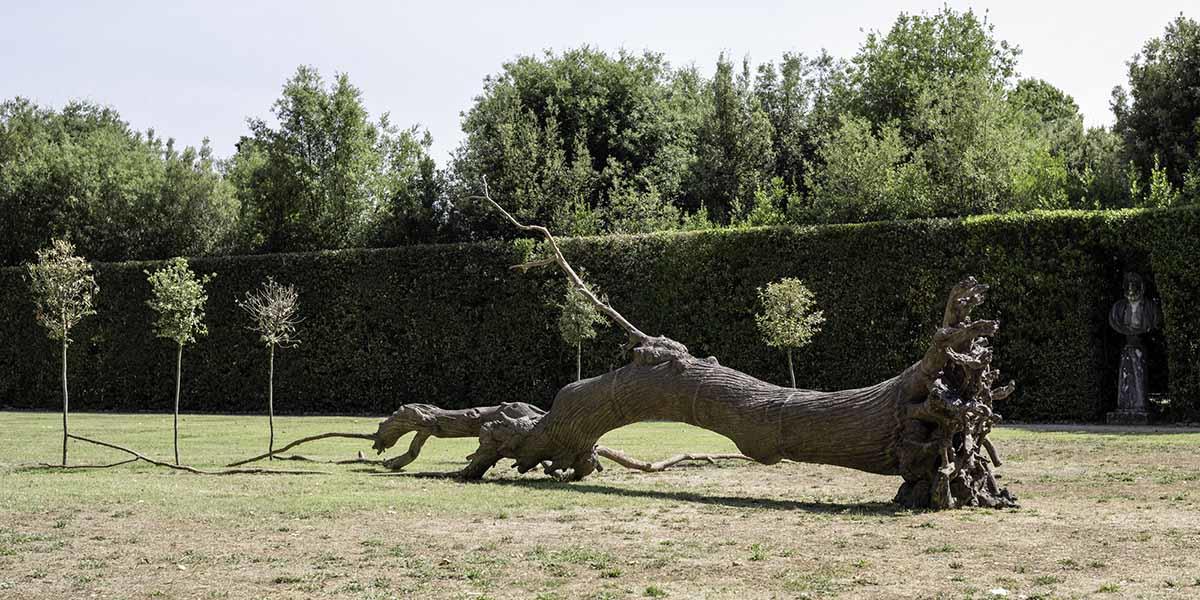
1110, 515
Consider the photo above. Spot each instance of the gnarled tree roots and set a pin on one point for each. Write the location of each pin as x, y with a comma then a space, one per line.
944, 454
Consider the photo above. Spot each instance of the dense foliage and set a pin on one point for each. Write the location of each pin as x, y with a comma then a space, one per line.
82, 174
177, 297
1159, 115
453, 325
927, 118
326, 176
789, 317
63, 288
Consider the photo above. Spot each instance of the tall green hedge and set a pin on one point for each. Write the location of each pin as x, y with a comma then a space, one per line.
452, 325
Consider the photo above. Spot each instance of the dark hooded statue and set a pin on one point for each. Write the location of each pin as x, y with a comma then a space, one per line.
1133, 316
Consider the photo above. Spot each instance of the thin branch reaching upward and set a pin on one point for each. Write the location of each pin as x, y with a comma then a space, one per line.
635, 335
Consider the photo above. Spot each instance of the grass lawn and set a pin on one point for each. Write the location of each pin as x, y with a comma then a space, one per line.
1111, 515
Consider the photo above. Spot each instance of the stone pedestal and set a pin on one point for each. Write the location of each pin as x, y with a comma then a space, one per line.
1128, 417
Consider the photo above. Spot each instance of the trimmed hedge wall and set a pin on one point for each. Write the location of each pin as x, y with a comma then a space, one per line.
453, 326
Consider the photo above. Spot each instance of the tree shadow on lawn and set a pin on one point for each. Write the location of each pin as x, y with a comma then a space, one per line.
856, 508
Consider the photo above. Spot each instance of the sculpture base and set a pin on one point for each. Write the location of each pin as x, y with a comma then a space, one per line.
1128, 417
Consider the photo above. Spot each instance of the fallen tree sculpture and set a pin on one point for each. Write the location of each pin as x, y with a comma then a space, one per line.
929, 424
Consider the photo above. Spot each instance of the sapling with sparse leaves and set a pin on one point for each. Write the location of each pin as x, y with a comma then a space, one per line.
64, 290
788, 319
178, 297
275, 310
577, 322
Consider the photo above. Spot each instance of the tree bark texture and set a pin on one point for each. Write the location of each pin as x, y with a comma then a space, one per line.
791, 369
427, 420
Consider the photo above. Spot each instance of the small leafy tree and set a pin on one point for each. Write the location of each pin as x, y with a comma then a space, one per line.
178, 297
1162, 192
577, 323
275, 309
63, 290
788, 319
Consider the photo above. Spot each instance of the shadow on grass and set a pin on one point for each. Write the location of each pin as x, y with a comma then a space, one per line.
843, 508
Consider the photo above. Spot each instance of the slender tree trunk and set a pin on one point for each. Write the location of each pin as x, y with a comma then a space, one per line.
64, 386
578, 361
791, 371
271, 404
178, 376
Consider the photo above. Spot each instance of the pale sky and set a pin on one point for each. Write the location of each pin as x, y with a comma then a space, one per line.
200, 68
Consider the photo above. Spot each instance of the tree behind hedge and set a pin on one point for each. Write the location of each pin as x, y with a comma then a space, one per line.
178, 297
793, 94
734, 151
1159, 114
928, 102
566, 137
83, 173
63, 288
327, 176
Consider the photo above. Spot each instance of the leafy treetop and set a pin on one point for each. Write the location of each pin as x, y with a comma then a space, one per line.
178, 297
84, 174
327, 176
63, 288
788, 319
579, 316
1159, 114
